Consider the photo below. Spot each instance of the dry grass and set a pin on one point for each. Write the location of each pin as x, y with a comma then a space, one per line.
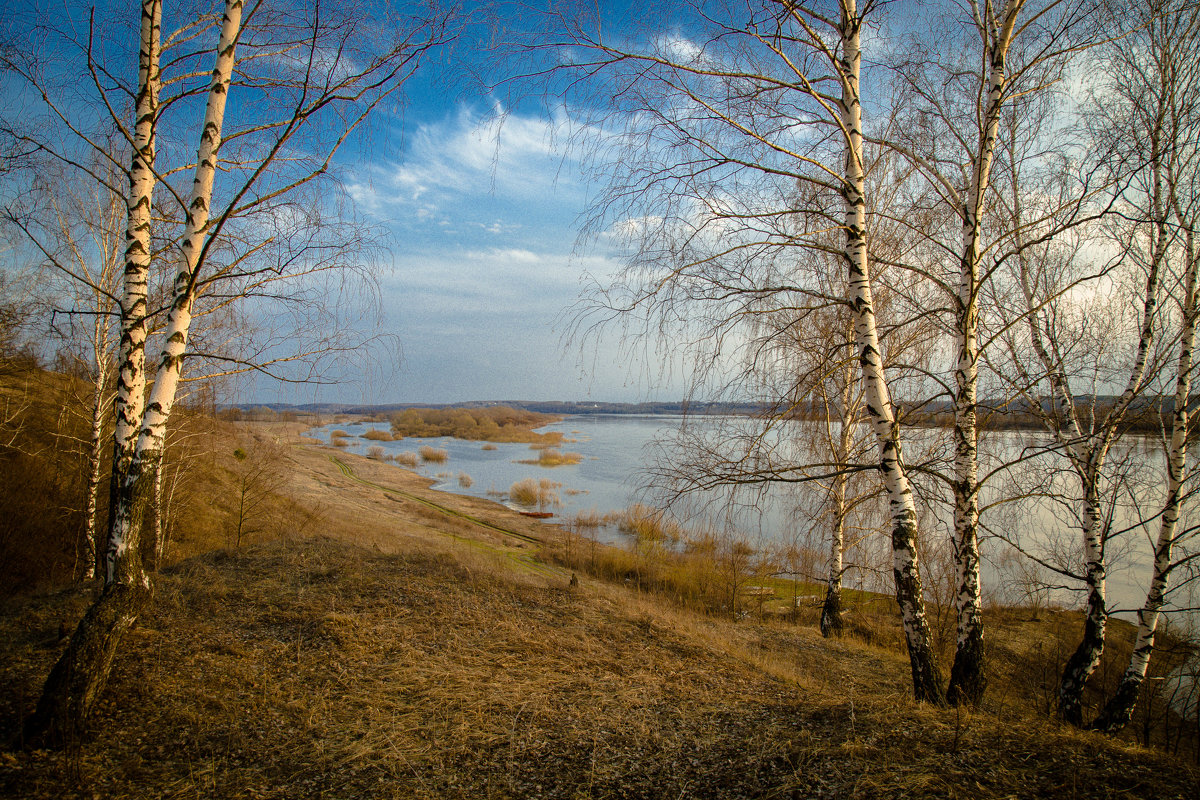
433, 455
531, 492
489, 446
376, 435
408, 459
465, 480
492, 424
320, 669
553, 457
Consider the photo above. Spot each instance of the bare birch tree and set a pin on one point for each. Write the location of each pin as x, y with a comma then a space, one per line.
310, 76
956, 84
1153, 95
748, 129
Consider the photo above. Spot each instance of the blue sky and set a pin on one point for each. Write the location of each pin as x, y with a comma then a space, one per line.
483, 204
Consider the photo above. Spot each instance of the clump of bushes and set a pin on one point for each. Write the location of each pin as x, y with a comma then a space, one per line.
378, 436
407, 459
433, 455
375, 452
489, 446
492, 424
650, 524
465, 480
532, 492
553, 457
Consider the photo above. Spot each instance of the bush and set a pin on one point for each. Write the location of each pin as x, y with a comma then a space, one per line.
552, 457
407, 459
375, 452
532, 492
378, 436
433, 455
465, 480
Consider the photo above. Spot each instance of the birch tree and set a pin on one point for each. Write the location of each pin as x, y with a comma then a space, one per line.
753, 114
1153, 90
951, 109
310, 77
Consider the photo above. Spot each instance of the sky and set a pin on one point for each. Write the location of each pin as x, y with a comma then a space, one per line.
483, 205
482, 197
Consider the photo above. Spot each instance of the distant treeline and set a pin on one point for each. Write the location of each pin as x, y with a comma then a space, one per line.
1146, 415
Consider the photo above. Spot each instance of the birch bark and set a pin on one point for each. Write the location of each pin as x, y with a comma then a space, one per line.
131, 358
1119, 709
967, 676
80, 674
927, 679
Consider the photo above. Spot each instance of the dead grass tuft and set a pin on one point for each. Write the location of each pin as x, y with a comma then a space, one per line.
532, 492
553, 457
433, 455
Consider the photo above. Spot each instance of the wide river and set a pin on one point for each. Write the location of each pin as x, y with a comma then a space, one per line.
619, 453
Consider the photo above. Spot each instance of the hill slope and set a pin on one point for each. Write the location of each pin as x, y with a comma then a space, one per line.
418, 650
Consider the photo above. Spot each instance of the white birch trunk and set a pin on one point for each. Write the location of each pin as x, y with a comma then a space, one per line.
91, 529
131, 358
81, 672
967, 677
927, 681
1119, 710
1089, 463
151, 437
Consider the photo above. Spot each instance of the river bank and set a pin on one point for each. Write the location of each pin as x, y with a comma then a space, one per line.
417, 644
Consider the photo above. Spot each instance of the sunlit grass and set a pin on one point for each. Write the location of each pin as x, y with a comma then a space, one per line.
433, 455
533, 492
553, 457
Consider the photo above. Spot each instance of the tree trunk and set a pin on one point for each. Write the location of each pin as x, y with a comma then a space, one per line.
927, 679
967, 676
91, 537
131, 359
1119, 709
1086, 658
831, 611
81, 672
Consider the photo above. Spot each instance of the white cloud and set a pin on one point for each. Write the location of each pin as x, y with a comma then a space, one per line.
504, 154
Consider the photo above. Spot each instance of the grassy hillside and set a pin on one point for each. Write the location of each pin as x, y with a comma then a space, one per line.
323, 669
373, 638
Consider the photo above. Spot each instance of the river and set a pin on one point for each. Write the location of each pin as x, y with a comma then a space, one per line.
619, 452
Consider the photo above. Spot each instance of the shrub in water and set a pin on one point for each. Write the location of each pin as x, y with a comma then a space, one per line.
433, 454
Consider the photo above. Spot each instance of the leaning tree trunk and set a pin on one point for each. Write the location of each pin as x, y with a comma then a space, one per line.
1119, 709
81, 672
80, 675
926, 676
